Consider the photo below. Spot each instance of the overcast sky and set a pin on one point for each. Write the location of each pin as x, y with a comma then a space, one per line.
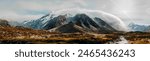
128, 10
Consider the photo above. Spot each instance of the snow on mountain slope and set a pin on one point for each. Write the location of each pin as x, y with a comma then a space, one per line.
37, 24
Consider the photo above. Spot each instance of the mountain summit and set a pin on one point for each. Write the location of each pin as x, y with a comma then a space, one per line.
75, 20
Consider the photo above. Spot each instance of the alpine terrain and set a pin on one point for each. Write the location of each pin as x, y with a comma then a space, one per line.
73, 20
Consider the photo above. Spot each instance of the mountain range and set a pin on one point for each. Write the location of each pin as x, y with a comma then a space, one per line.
71, 21
139, 27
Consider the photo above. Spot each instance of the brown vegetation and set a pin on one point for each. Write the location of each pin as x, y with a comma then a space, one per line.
138, 37
21, 35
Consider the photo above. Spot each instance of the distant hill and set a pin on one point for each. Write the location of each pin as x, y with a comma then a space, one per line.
4, 22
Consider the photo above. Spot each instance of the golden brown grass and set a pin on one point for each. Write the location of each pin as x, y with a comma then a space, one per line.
15, 35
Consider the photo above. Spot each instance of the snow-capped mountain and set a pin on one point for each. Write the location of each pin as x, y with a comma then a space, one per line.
77, 20
37, 24
139, 27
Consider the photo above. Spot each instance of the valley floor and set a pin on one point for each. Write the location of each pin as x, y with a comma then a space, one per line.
18, 35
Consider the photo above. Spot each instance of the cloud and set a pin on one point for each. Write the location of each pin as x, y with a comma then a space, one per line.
124, 9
